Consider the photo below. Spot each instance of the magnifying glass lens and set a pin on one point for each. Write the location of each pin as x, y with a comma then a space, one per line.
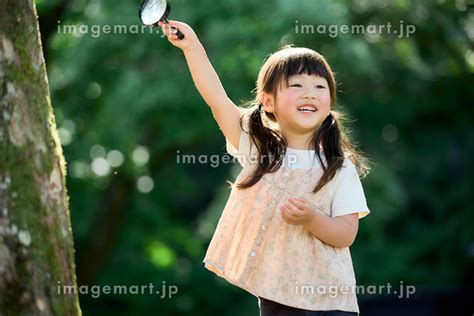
152, 11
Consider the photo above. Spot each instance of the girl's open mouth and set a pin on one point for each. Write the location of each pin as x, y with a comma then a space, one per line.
307, 109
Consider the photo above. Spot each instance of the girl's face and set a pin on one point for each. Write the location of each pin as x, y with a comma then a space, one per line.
302, 106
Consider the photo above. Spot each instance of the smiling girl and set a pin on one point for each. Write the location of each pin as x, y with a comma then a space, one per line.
285, 231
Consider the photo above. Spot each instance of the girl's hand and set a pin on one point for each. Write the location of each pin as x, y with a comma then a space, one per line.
190, 39
297, 211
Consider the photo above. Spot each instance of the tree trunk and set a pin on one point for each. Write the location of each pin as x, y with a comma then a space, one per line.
36, 245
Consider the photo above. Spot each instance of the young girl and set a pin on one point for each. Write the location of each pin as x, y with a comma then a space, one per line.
285, 232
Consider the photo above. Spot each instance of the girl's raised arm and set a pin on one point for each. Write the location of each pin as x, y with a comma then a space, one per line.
225, 112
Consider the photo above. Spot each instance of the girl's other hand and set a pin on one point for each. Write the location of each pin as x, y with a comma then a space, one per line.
190, 39
297, 211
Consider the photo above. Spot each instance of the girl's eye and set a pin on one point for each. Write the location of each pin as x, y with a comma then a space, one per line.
320, 86
295, 85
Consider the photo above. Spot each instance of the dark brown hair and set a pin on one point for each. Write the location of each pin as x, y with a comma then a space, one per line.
330, 136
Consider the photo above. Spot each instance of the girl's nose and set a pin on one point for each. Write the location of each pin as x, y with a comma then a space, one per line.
309, 95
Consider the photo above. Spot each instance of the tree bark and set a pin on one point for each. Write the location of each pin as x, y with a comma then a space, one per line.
36, 245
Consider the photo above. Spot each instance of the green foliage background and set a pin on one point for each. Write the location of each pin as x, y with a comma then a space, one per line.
409, 99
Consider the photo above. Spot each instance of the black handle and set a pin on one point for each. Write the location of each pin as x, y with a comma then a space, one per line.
178, 33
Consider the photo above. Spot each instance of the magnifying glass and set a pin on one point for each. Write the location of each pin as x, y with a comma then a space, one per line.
153, 11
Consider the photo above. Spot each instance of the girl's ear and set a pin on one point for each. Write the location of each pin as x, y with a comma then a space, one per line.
268, 102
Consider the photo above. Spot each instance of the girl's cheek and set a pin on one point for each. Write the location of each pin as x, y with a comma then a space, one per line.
326, 100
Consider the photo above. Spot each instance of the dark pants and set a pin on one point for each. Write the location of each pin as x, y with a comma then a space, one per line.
271, 308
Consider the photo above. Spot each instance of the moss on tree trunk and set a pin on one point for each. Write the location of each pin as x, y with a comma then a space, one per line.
36, 245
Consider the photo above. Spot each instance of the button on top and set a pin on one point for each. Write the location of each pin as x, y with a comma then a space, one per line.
253, 253
286, 174
263, 227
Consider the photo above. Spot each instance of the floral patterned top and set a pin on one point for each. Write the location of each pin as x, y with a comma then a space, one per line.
256, 250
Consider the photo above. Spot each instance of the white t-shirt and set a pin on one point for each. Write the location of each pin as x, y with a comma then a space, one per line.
345, 189
347, 194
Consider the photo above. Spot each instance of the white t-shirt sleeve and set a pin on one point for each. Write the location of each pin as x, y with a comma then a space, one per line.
243, 153
347, 192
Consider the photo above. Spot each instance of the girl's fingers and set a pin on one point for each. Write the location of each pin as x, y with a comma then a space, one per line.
286, 217
298, 202
182, 27
294, 208
171, 30
302, 207
167, 29
288, 213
